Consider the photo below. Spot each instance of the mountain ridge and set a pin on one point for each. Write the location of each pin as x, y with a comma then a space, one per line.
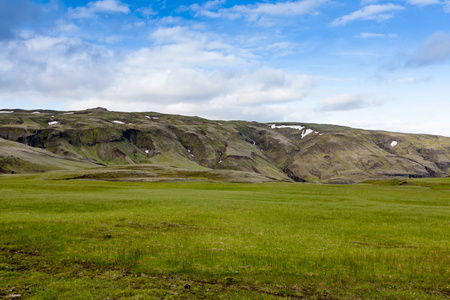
280, 151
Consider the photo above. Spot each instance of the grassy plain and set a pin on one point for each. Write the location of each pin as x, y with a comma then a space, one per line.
82, 239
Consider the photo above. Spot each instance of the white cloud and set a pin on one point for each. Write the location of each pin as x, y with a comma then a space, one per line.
182, 47
434, 50
367, 35
213, 111
95, 7
358, 53
258, 11
410, 2
370, 12
189, 88
110, 39
65, 26
279, 49
205, 10
169, 20
447, 6
398, 125
185, 72
345, 102
188, 64
422, 2
177, 35
213, 4
265, 86
282, 8
408, 79
365, 2
147, 11
58, 68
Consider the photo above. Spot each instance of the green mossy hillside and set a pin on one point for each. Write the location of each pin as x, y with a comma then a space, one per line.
278, 151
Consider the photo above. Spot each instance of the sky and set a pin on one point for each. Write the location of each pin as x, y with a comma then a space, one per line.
369, 64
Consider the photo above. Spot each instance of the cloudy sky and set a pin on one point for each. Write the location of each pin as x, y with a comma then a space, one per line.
367, 64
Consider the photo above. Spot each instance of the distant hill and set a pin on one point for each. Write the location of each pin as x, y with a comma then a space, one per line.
45, 140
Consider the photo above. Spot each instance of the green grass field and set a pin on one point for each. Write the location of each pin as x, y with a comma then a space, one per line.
80, 239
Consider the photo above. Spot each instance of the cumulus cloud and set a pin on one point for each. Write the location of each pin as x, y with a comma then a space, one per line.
434, 50
252, 95
346, 102
47, 67
255, 12
246, 95
189, 72
95, 7
184, 71
371, 12
188, 65
265, 86
182, 47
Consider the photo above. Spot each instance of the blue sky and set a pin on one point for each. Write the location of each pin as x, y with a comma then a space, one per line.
367, 64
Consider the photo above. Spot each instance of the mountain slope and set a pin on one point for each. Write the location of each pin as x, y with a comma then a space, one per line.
281, 151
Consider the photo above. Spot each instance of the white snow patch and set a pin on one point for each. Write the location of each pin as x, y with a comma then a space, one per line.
298, 127
53, 123
69, 113
146, 151
119, 122
155, 118
306, 132
148, 117
53, 116
220, 161
189, 151
393, 144
220, 124
273, 126
6, 112
36, 112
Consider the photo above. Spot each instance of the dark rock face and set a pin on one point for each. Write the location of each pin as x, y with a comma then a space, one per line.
139, 139
292, 152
